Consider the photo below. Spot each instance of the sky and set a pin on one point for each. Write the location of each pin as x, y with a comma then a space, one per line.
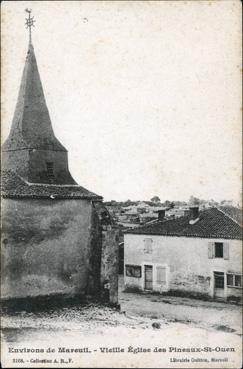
145, 96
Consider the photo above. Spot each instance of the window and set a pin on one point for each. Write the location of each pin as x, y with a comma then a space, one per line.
161, 275
133, 271
238, 282
219, 251
50, 168
148, 245
234, 280
230, 280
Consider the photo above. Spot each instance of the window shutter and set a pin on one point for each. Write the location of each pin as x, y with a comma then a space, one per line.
161, 275
210, 250
148, 245
226, 251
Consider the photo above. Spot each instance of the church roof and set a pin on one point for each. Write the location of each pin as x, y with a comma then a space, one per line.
14, 186
31, 126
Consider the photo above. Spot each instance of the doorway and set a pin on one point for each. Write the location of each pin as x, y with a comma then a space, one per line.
148, 277
219, 283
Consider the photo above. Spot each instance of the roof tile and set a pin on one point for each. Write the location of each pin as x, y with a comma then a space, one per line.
13, 186
212, 223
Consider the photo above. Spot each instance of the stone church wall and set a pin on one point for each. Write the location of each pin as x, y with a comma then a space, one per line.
104, 256
110, 262
17, 161
38, 160
31, 164
45, 247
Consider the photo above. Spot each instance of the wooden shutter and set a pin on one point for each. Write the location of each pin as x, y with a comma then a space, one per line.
161, 275
148, 245
226, 251
211, 250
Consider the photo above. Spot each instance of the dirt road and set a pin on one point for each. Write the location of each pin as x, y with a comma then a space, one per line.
206, 314
145, 322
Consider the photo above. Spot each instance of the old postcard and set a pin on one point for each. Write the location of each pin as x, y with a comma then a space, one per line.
121, 184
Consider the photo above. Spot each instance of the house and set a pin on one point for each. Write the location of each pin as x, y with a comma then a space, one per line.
199, 254
57, 237
177, 212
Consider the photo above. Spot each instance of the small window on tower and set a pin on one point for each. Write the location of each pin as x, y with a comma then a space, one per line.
50, 169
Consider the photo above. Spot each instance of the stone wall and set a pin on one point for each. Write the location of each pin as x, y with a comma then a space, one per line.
109, 263
31, 164
107, 235
58, 247
45, 247
16, 160
94, 287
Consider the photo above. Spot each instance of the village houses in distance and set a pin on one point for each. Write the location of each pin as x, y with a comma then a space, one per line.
60, 240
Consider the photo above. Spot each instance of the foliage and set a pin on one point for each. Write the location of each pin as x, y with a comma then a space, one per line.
155, 199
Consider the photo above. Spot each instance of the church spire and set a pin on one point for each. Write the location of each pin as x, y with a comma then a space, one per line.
31, 125
31, 131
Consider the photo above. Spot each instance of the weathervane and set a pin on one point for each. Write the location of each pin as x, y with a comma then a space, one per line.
29, 22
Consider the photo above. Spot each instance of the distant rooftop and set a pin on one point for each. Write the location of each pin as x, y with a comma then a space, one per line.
223, 222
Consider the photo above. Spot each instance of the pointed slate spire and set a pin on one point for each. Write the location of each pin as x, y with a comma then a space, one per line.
31, 125
32, 150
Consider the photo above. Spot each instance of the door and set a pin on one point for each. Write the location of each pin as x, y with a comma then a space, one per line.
121, 258
148, 275
219, 285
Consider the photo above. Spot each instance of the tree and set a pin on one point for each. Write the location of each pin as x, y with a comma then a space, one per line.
194, 200
155, 199
169, 204
127, 203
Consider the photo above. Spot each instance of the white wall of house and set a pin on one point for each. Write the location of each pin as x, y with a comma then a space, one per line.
188, 262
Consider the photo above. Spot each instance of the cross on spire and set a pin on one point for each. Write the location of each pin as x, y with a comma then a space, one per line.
29, 22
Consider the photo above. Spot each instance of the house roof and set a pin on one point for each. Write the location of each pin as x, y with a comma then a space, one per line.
232, 212
14, 186
212, 223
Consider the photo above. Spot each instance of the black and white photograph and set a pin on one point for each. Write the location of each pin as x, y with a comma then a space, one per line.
121, 193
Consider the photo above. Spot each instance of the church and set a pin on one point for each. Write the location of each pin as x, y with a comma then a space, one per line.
58, 239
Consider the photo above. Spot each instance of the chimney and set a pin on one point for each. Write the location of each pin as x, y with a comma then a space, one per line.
194, 214
161, 214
